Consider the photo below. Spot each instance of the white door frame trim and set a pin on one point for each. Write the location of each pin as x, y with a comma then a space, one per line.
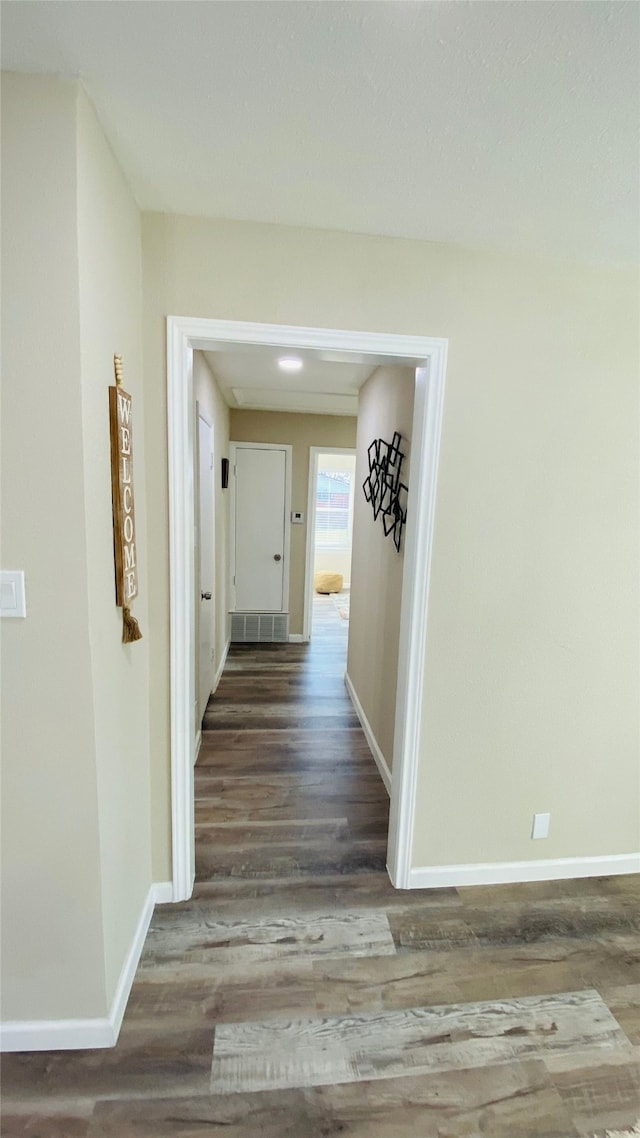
314, 455
418, 543
429, 356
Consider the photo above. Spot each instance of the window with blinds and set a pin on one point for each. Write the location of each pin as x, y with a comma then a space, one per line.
334, 509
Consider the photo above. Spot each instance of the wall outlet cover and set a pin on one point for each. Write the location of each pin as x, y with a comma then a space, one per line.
541, 823
13, 602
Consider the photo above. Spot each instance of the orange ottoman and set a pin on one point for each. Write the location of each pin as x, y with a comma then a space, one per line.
328, 582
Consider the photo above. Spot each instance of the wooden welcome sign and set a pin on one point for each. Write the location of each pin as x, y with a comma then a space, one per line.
124, 522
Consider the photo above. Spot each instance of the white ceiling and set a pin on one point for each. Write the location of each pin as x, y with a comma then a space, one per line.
510, 125
252, 379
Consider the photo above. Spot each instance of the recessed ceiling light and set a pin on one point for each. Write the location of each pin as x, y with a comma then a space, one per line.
290, 363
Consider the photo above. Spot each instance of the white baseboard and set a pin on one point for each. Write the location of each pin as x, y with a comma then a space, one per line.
128, 971
507, 872
297, 638
84, 1034
380, 760
216, 681
220, 669
56, 1034
162, 892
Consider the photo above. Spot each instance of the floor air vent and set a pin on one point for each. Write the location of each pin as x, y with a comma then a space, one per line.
259, 627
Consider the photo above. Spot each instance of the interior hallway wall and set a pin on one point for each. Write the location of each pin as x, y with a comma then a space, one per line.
302, 432
385, 405
531, 680
110, 275
75, 718
50, 824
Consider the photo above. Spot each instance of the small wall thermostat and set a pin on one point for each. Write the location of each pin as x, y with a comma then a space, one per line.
297, 519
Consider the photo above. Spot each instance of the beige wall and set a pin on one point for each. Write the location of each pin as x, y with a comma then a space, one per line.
301, 432
532, 659
385, 405
207, 394
75, 753
51, 912
110, 272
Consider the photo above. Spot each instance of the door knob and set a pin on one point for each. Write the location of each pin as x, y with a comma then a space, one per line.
277, 557
205, 596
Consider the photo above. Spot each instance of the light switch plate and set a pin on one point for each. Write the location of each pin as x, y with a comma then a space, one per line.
297, 519
541, 823
12, 594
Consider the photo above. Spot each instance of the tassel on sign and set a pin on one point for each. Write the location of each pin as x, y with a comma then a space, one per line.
130, 627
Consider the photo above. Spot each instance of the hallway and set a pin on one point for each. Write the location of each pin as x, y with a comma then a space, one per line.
298, 995
285, 784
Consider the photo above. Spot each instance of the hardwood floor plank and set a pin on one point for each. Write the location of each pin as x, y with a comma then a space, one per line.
240, 835
624, 999
191, 994
526, 922
407, 980
600, 1089
277, 719
526, 892
290, 738
532, 921
484, 973
301, 830
253, 1057
32, 1124
143, 1064
302, 782
371, 890
289, 807
292, 859
321, 934
289, 1114
510, 1101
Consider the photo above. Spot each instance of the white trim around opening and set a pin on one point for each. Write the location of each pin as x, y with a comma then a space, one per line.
428, 356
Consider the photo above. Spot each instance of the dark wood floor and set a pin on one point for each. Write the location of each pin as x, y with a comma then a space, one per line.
297, 995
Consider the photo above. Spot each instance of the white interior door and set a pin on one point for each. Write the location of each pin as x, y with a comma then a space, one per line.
261, 504
206, 562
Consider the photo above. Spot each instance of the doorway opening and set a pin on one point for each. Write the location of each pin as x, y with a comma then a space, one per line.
332, 483
428, 357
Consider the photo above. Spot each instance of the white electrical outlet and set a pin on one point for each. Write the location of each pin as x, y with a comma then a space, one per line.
541, 823
12, 594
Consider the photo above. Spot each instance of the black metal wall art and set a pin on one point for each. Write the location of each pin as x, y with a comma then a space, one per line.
383, 488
